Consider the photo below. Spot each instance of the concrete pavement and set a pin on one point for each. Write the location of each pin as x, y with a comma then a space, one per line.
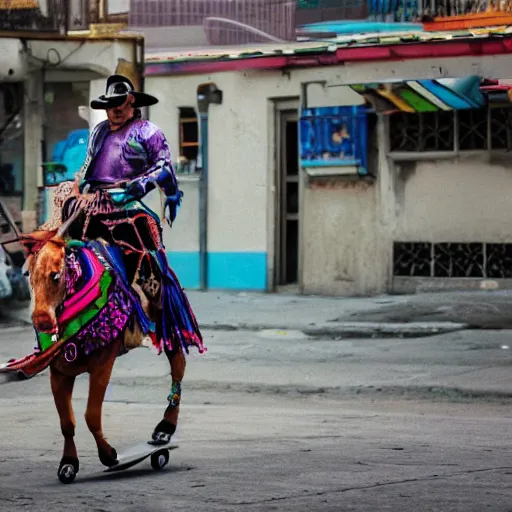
341, 345
242, 452
454, 366
278, 420
318, 315
278, 417
406, 315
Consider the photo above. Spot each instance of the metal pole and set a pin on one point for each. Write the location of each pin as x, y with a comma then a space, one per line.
207, 94
203, 205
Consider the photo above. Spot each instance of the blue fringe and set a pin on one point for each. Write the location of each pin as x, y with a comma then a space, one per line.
179, 325
179, 322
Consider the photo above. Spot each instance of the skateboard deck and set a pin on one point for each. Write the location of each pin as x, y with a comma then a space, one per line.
140, 452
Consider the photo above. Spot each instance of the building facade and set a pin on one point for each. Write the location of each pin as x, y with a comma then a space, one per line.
51, 52
45, 133
421, 204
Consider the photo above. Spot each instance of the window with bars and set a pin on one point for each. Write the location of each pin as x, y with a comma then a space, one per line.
452, 260
430, 131
463, 130
189, 141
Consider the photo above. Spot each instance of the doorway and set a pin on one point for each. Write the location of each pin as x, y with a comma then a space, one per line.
287, 199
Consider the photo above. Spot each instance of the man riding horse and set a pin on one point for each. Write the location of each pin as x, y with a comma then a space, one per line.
127, 158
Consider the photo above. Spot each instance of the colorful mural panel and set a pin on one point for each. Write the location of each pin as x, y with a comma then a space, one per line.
334, 136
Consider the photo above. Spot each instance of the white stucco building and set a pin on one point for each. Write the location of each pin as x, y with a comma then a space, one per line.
429, 209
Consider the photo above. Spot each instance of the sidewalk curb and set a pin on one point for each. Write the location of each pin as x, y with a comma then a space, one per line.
352, 329
413, 392
341, 329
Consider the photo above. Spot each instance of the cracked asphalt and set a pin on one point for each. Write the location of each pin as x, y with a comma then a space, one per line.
277, 422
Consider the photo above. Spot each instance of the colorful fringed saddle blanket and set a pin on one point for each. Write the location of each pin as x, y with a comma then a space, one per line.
100, 305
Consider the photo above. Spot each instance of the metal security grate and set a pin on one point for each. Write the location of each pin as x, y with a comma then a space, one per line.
463, 130
452, 260
429, 131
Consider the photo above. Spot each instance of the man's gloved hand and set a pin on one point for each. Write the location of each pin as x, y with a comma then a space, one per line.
172, 203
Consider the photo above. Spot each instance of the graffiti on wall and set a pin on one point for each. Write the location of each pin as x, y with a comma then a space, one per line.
334, 136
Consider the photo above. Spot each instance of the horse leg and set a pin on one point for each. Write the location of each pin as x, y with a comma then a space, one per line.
62, 389
166, 428
98, 381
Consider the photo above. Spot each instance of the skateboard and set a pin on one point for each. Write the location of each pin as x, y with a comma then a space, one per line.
159, 454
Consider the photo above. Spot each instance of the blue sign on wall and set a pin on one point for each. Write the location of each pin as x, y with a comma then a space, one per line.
67, 158
334, 136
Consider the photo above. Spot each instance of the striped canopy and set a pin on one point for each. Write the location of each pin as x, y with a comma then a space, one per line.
432, 95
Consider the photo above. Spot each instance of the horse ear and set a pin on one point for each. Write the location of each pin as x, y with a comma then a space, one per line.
34, 241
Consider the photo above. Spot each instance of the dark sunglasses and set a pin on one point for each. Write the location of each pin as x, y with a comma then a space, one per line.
118, 88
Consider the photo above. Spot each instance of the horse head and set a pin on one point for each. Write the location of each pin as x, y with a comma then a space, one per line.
46, 268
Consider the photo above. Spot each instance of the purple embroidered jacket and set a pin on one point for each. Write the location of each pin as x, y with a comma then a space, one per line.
137, 153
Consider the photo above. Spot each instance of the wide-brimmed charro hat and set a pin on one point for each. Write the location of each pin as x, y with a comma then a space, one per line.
117, 90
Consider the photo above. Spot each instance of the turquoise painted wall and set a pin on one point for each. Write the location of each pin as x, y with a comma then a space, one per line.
226, 270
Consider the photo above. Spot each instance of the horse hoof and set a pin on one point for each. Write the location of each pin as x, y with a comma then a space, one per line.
163, 433
108, 459
68, 469
67, 474
160, 438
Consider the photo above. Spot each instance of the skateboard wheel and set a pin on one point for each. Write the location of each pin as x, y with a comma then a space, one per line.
159, 460
67, 474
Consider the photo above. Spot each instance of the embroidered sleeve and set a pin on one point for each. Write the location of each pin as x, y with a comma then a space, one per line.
160, 173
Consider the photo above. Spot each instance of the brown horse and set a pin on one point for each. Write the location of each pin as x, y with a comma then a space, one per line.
47, 267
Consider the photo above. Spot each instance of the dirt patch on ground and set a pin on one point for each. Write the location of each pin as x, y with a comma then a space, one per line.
476, 315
